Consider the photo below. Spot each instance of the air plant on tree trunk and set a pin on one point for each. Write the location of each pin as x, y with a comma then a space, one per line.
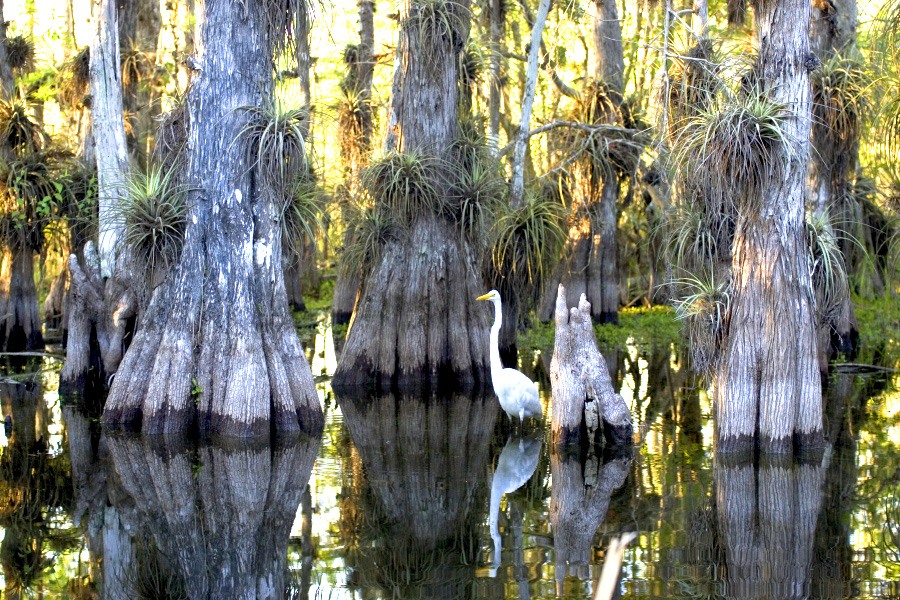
738, 144
274, 143
703, 305
154, 213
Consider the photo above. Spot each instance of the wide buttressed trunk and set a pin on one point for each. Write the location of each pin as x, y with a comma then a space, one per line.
217, 345
768, 378
416, 321
20, 328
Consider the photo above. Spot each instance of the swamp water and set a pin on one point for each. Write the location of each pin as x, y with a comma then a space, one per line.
405, 498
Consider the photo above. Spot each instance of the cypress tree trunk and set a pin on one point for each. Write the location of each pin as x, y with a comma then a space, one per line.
768, 377
355, 150
217, 345
20, 328
99, 304
591, 263
833, 163
416, 320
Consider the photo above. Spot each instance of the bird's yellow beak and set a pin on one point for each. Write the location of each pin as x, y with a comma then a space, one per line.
485, 297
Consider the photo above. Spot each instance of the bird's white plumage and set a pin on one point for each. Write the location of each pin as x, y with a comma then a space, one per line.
517, 393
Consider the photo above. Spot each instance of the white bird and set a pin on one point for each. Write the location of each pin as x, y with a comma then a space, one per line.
517, 394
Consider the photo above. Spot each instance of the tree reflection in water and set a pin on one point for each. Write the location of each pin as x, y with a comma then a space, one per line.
34, 484
425, 463
206, 521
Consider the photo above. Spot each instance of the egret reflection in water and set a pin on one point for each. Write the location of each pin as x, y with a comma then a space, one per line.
516, 465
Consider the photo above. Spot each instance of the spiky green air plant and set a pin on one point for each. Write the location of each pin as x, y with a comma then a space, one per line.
19, 49
829, 276
301, 214
74, 86
435, 20
154, 213
840, 106
372, 227
738, 145
703, 306
136, 64
526, 239
614, 149
694, 81
474, 192
693, 243
403, 183
473, 61
30, 195
356, 121
274, 143
18, 131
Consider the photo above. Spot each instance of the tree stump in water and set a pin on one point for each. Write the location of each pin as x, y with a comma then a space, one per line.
582, 389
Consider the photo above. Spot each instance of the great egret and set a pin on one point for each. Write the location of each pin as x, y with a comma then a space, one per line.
517, 394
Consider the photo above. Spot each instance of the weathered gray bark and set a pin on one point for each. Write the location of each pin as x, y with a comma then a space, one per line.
416, 319
217, 345
496, 16
579, 500
99, 303
768, 378
20, 328
767, 521
107, 128
98, 315
583, 395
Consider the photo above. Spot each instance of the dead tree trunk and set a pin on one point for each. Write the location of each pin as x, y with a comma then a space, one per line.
20, 328
217, 346
416, 320
768, 377
583, 396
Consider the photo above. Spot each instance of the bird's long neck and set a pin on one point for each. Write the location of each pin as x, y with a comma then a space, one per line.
496, 363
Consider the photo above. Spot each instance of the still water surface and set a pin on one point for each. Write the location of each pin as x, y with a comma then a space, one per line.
440, 498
